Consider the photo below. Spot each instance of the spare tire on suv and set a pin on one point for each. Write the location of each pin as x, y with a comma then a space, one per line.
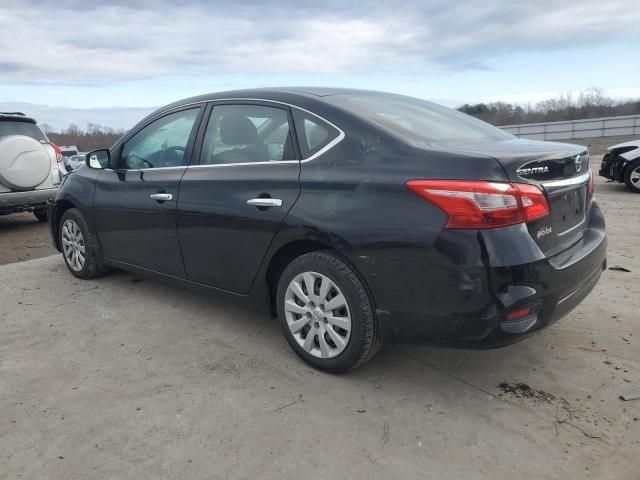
24, 162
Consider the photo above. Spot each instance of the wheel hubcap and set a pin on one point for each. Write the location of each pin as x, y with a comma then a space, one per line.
73, 245
635, 177
317, 315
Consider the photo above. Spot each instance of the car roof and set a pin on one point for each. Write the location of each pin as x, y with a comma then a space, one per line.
15, 117
291, 95
303, 97
269, 93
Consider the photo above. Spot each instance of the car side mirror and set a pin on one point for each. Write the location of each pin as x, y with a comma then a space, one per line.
98, 159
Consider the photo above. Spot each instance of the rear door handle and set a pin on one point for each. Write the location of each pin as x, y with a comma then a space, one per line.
161, 197
265, 202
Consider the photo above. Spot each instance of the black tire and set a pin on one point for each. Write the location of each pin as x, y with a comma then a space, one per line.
365, 336
93, 266
633, 166
40, 214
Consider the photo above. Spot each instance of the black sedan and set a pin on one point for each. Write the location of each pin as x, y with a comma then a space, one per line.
356, 216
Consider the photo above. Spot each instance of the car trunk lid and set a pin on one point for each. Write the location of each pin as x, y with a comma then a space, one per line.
560, 170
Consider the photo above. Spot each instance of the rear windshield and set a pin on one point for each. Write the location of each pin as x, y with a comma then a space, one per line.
21, 128
69, 153
418, 120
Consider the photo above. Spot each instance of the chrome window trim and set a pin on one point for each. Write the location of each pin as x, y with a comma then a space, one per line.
181, 167
568, 182
326, 148
323, 150
274, 162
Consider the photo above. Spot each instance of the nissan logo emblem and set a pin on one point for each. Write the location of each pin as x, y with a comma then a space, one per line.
578, 162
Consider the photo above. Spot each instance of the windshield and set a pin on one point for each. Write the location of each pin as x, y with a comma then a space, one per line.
21, 128
418, 120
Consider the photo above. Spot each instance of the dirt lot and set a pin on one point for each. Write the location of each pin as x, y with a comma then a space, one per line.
130, 378
23, 237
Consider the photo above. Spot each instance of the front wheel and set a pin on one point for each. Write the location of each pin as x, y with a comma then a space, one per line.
632, 176
79, 246
326, 313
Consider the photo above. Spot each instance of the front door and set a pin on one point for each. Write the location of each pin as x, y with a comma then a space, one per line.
135, 203
232, 203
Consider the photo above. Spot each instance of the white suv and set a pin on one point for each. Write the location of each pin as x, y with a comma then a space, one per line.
29, 166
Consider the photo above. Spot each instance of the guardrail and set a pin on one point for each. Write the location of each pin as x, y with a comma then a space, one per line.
590, 128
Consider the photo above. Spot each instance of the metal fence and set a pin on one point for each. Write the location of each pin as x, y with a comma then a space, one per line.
591, 128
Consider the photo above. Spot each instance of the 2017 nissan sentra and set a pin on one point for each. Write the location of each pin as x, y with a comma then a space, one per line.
358, 216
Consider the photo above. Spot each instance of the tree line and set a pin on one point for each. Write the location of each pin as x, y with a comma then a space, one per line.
591, 103
93, 137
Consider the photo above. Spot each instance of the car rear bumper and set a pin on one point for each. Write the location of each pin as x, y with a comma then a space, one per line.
14, 202
434, 300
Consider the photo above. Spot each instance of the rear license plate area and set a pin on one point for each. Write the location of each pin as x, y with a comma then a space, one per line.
568, 209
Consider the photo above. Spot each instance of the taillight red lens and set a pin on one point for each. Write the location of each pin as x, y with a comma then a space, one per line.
56, 149
478, 204
534, 203
592, 185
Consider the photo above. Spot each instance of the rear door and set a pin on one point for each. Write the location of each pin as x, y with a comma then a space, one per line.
233, 201
135, 202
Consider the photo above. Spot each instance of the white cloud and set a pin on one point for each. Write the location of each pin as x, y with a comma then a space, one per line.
78, 42
61, 117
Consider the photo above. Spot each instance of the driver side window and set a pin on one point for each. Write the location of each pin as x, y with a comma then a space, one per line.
160, 144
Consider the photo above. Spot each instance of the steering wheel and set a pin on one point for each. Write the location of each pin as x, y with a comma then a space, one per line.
175, 150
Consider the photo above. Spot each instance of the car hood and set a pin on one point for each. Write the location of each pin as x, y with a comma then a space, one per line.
632, 143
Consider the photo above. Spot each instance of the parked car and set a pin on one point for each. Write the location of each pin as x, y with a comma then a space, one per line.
73, 162
622, 164
69, 151
29, 166
358, 216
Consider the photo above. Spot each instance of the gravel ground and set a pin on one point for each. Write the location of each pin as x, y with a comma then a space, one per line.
126, 377
23, 237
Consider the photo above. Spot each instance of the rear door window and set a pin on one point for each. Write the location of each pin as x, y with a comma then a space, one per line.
247, 134
313, 133
21, 128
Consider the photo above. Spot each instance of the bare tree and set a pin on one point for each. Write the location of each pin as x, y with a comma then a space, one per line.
591, 103
95, 136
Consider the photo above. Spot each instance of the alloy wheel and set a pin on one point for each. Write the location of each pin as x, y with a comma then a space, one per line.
635, 178
317, 315
73, 246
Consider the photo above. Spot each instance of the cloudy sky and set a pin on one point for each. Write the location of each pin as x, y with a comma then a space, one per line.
77, 60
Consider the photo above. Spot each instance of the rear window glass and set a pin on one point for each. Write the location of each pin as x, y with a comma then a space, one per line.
418, 120
313, 133
21, 128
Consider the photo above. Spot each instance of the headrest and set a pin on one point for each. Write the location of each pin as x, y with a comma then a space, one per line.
237, 129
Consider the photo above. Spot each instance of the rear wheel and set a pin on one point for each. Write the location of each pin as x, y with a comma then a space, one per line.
632, 176
326, 313
79, 246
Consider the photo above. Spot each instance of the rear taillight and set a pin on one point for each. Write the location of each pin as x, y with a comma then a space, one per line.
473, 204
592, 185
56, 149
